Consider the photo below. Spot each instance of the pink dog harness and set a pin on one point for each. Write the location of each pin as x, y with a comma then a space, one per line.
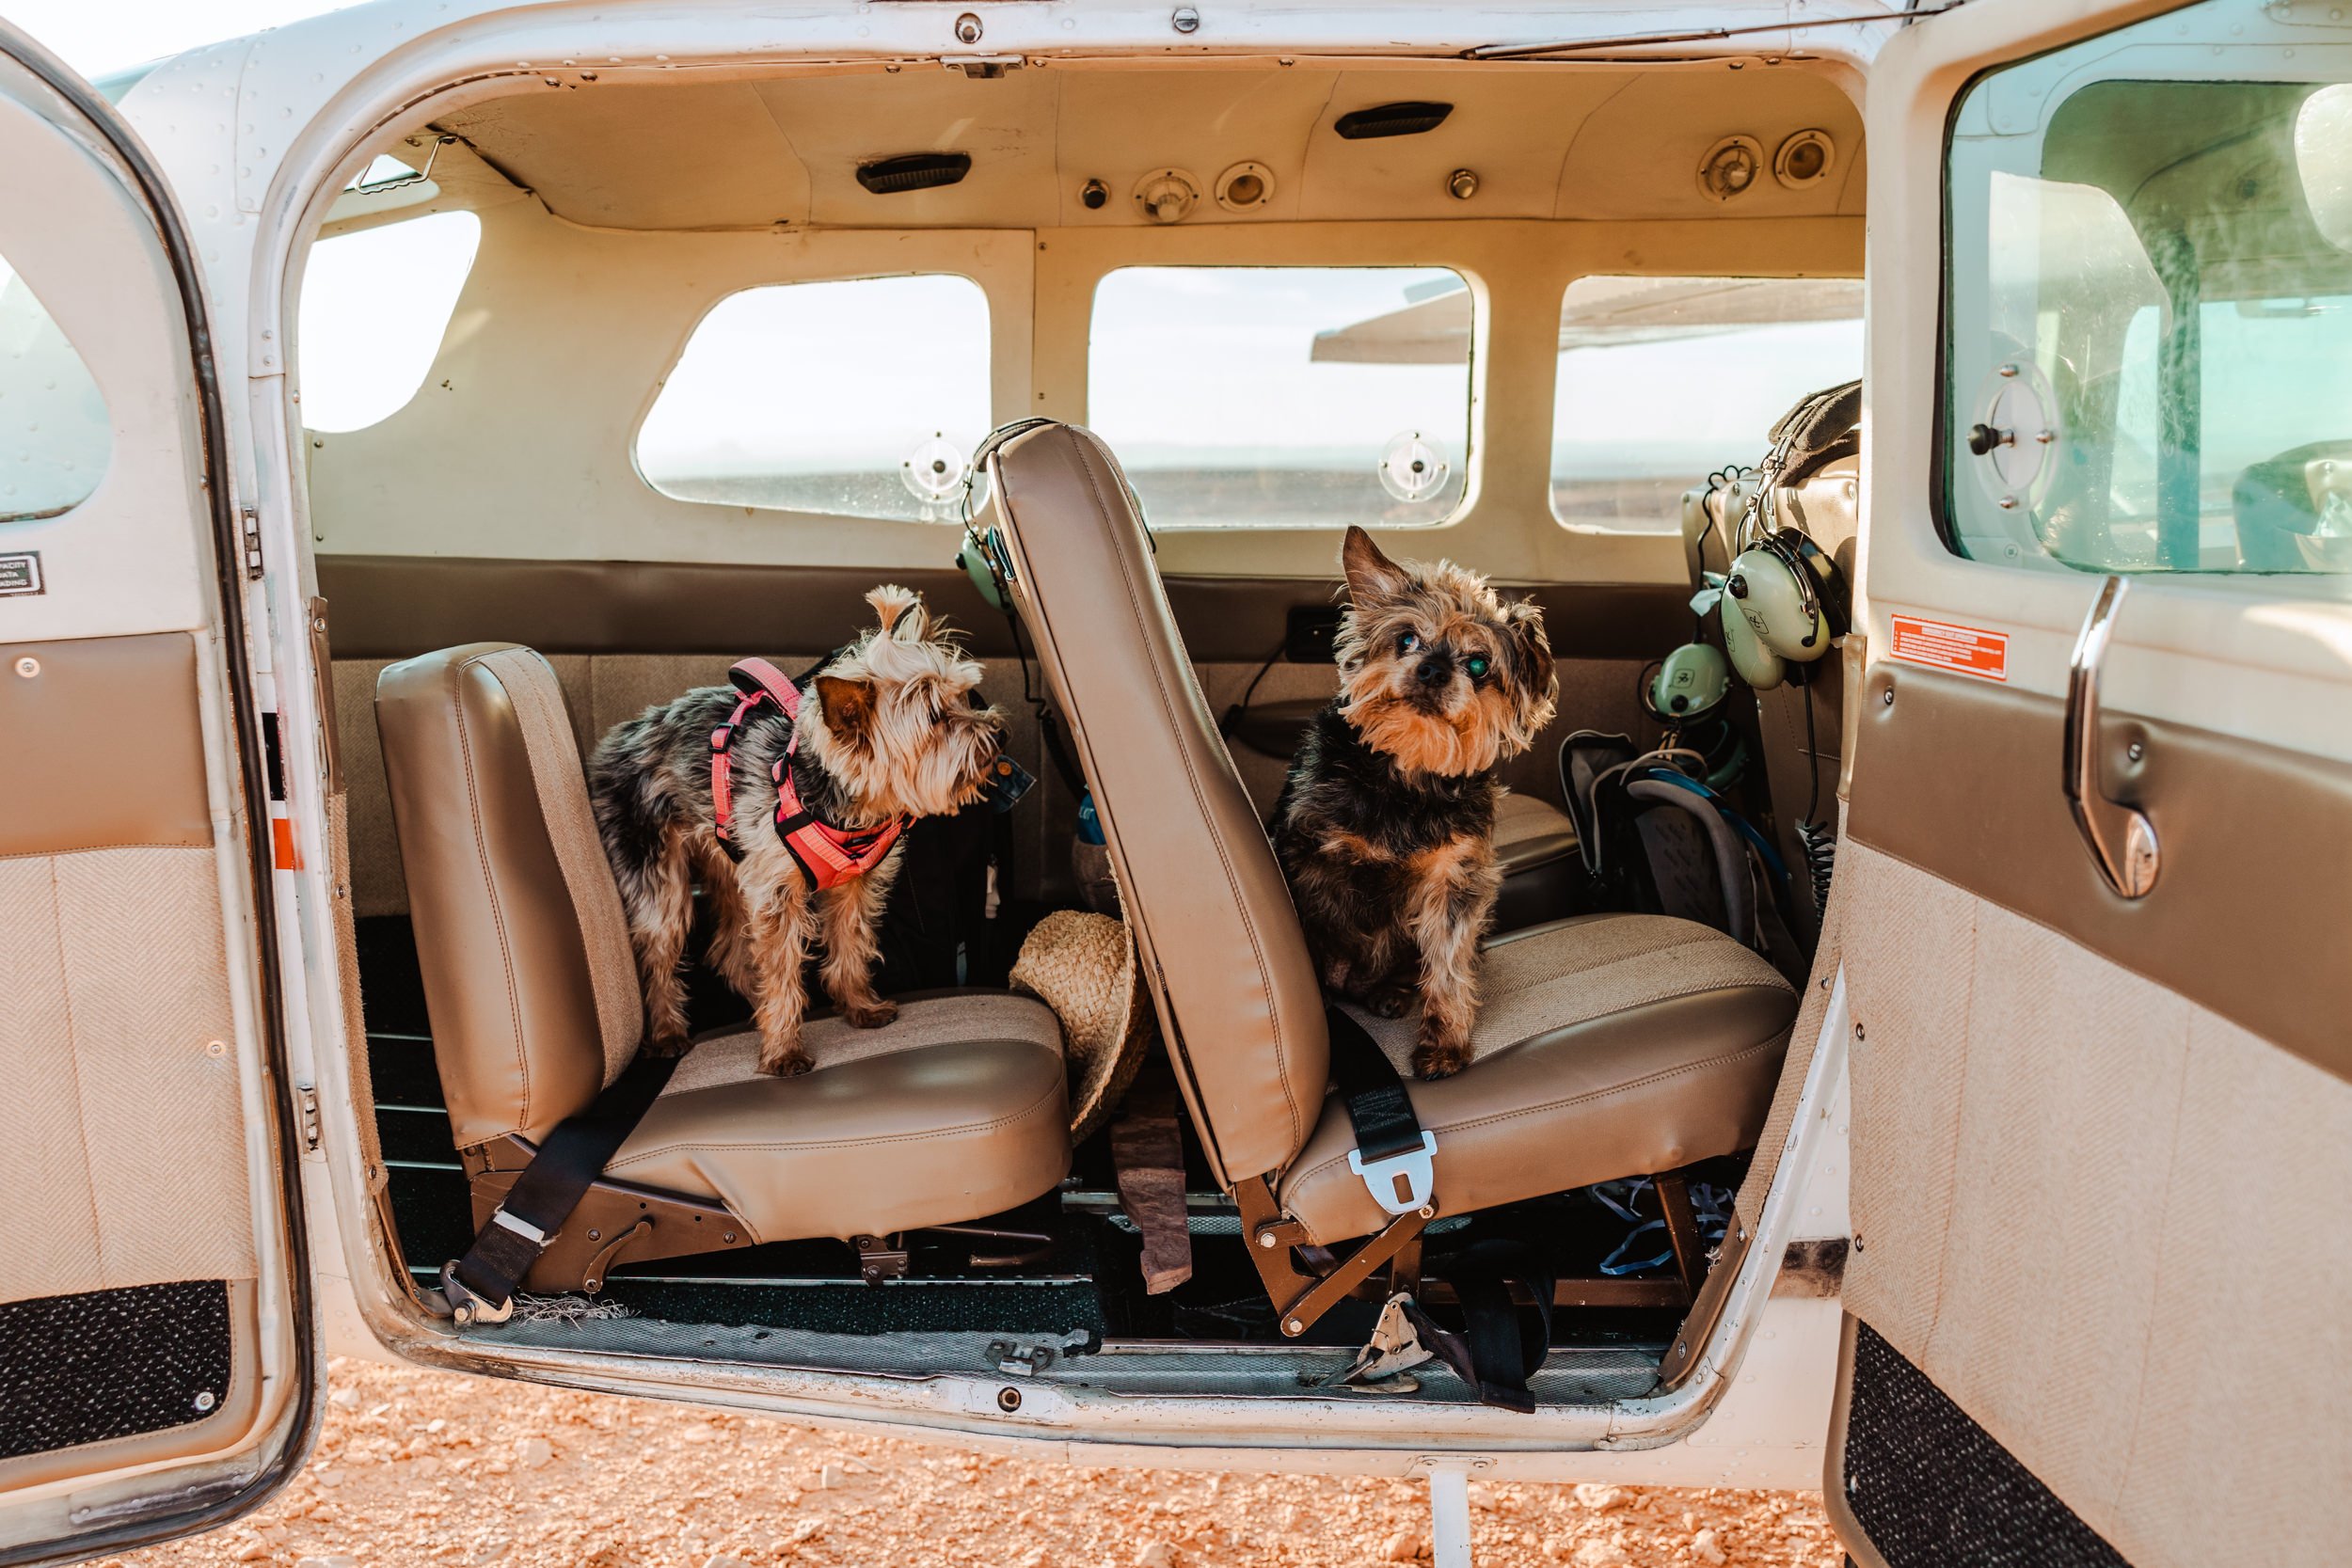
824, 853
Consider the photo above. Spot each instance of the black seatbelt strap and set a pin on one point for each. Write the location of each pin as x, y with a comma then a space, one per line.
1502, 1344
480, 1287
1392, 1153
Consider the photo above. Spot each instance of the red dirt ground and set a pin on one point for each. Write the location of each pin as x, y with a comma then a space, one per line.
420, 1469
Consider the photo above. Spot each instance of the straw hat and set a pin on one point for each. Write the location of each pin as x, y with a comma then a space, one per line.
1083, 966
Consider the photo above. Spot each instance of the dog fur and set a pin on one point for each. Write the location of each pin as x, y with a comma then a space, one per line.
1385, 827
887, 729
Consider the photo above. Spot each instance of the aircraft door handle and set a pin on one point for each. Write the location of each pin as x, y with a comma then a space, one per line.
2121, 840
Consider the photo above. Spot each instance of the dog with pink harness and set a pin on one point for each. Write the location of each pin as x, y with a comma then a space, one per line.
838, 764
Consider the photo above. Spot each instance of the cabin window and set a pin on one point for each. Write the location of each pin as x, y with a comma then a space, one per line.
1285, 397
376, 308
859, 398
2149, 295
55, 435
1665, 380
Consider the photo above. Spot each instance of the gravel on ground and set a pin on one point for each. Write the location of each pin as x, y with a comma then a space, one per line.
429, 1469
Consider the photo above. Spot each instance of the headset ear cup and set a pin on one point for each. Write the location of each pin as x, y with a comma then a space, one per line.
1806, 636
1757, 663
1773, 594
1830, 588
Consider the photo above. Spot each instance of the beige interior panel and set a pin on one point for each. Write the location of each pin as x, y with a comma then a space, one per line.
1804, 1037
2249, 912
102, 745
1612, 173
376, 879
2137, 1170
530, 423
628, 156
1551, 138
1007, 125
117, 1043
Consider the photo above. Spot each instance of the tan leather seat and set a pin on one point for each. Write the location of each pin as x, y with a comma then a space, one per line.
953, 1111
1607, 1046
1613, 1046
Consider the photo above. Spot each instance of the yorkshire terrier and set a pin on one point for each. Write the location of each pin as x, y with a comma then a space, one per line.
1384, 827
885, 732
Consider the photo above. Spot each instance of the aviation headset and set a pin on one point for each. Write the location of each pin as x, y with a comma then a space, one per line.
983, 555
1790, 599
1689, 683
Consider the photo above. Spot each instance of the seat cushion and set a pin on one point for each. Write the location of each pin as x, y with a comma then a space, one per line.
952, 1112
1531, 831
1610, 1046
1536, 847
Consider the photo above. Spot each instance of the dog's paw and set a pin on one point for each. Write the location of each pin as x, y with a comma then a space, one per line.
1440, 1055
869, 1015
665, 1046
1432, 1062
785, 1064
1389, 1001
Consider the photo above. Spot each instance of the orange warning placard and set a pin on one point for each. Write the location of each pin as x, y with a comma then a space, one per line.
1965, 649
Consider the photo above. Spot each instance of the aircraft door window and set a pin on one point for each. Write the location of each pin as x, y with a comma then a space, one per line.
2149, 366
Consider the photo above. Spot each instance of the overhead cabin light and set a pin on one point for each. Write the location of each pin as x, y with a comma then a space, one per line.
1392, 120
1804, 159
914, 172
1245, 187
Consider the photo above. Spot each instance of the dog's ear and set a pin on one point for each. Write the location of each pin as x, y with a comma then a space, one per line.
848, 705
902, 612
1371, 576
1533, 687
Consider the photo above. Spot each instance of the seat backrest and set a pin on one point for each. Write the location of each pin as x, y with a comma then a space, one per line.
528, 972
1238, 993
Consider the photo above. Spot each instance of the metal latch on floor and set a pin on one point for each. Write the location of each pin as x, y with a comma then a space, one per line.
1018, 1359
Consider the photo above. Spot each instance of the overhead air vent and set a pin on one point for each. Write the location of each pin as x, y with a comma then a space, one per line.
914, 172
1392, 120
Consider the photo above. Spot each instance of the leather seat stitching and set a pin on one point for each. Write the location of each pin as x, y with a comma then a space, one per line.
1038, 1042
1774, 985
1053, 1093
489, 882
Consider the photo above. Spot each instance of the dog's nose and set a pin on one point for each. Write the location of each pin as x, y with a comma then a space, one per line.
1433, 671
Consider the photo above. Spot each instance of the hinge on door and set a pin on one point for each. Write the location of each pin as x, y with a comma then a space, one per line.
249, 520
308, 1098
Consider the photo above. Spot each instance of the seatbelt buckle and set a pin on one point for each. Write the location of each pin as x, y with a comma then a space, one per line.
1413, 1174
467, 1308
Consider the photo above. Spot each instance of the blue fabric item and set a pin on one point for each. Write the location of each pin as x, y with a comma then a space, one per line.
1709, 1203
